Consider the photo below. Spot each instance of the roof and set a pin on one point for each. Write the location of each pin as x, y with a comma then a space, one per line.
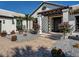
54, 11
74, 7
47, 3
10, 13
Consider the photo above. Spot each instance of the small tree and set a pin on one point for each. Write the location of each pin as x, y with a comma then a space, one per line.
65, 28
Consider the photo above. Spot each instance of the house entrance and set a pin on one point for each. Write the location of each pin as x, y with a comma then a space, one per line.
55, 24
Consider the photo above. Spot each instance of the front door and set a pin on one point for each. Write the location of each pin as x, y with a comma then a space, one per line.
56, 22
77, 23
0, 26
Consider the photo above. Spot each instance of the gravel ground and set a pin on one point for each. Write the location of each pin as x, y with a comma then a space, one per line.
39, 47
66, 46
21, 37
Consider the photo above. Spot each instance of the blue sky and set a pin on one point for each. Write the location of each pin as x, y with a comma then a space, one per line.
28, 7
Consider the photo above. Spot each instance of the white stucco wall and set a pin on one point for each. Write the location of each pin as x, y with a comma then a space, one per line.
72, 22
30, 24
24, 23
66, 15
8, 26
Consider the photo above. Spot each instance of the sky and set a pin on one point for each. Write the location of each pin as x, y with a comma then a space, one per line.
27, 7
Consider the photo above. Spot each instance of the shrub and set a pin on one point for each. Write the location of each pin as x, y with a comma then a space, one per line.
3, 34
64, 27
13, 32
33, 31
57, 52
14, 38
36, 27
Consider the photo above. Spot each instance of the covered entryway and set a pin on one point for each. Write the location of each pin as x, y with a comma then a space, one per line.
77, 23
45, 20
0, 26
55, 24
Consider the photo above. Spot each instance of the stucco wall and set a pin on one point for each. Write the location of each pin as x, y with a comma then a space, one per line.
70, 18
72, 22
24, 22
8, 26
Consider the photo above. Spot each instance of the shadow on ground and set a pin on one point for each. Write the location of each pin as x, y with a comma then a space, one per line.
55, 36
28, 52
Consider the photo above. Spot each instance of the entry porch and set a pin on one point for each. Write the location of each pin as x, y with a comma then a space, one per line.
49, 20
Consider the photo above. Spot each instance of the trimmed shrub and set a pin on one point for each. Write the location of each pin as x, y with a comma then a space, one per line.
3, 34
57, 53
14, 38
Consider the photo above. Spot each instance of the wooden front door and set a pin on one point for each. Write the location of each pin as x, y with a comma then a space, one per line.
56, 22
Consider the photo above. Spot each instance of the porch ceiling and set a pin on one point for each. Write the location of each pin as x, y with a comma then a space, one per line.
53, 12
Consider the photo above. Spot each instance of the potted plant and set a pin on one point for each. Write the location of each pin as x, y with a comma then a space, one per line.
14, 38
13, 32
3, 34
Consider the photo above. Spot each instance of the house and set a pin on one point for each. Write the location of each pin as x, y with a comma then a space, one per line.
9, 22
50, 15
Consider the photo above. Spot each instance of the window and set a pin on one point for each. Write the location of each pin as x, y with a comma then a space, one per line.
3, 21
13, 21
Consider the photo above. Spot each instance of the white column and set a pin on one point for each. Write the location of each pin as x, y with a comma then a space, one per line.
65, 15
40, 23
50, 23
31, 24
28, 26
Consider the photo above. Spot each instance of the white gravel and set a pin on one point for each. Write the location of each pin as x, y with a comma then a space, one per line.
67, 46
